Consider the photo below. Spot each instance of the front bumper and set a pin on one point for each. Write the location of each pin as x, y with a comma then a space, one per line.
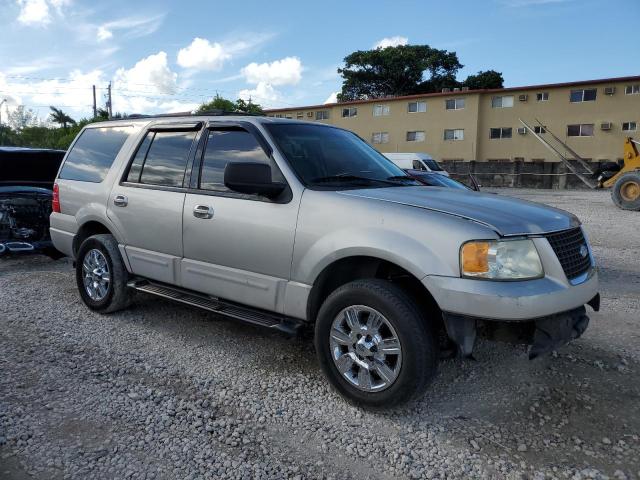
510, 301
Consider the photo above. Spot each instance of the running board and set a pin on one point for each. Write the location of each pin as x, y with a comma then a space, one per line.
283, 324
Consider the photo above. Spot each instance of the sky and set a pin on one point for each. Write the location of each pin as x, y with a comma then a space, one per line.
168, 56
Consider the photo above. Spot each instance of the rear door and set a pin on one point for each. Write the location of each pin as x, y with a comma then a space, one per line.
241, 249
147, 204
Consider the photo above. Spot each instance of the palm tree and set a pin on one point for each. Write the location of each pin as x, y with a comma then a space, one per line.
61, 118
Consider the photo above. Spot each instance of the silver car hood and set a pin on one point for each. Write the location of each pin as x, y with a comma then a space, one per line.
506, 215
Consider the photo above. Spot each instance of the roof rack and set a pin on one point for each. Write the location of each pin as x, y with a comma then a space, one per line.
216, 112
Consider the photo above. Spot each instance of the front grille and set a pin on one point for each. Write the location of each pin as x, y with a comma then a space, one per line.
567, 246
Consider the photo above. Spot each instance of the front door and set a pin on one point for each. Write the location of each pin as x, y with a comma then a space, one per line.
147, 207
236, 246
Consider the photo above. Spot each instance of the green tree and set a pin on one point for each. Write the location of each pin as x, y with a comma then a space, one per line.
484, 79
22, 117
248, 107
218, 103
401, 70
61, 118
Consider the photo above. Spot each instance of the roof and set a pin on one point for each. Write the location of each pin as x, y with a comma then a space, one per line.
634, 78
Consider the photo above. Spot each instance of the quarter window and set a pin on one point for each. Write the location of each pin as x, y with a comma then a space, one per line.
381, 110
454, 134
417, 107
349, 112
380, 137
629, 126
542, 96
228, 146
583, 95
632, 89
454, 103
166, 158
502, 102
502, 132
582, 130
93, 154
417, 136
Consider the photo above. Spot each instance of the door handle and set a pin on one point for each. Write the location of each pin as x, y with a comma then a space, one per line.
120, 201
202, 211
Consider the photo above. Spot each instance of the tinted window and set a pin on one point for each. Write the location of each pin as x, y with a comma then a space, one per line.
334, 158
93, 153
141, 154
167, 159
227, 146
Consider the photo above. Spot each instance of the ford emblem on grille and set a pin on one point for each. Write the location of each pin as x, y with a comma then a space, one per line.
584, 251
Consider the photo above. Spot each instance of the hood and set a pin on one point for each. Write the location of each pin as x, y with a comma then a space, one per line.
505, 215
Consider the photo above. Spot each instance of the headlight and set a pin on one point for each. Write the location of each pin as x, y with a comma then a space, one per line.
500, 260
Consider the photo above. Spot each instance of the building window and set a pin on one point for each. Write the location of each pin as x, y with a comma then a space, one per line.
583, 95
502, 102
380, 137
503, 132
454, 104
417, 107
288, 115
300, 115
454, 134
278, 115
380, 110
538, 129
322, 115
417, 136
350, 112
632, 89
309, 114
583, 130
629, 126
542, 96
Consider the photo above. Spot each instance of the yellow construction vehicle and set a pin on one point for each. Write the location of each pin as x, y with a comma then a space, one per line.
625, 182
623, 178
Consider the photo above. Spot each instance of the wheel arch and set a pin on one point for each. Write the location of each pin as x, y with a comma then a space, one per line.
86, 230
358, 267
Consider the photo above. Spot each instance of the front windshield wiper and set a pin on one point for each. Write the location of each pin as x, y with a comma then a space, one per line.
346, 177
401, 177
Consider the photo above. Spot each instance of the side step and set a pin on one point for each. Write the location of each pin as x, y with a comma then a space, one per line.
254, 316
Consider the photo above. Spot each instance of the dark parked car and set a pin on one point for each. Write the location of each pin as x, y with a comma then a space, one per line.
26, 192
437, 180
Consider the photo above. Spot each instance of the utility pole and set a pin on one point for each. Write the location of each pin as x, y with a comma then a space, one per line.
109, 101
95, 110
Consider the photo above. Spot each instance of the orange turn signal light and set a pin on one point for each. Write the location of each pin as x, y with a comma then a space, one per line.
475, 257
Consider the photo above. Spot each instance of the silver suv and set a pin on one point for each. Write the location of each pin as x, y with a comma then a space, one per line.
285, 223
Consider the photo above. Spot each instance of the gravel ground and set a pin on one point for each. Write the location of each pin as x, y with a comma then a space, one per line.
167, 391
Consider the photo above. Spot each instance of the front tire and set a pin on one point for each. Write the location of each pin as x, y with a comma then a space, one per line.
374, 345
625, 193
101, 275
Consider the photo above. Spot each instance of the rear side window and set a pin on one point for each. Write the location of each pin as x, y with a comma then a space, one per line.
162, 158
227, 146
93, 154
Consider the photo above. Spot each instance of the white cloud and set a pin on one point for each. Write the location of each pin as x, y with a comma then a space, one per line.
33, 12
287, 71
391, 42
37, 12
263, 93
333, 98
203, 55
133, 27
151, 74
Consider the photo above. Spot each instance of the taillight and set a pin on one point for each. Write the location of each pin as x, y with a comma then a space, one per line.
55, 202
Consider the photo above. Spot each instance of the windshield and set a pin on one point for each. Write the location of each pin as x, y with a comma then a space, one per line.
327, 157
438, 180
432, 164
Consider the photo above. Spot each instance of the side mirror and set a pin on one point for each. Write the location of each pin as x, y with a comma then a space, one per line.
252, 178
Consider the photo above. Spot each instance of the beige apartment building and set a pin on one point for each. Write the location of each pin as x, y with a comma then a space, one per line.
592, 117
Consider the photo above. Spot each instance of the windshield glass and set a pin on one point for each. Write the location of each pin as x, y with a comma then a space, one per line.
438, 180
432, 164
333, 158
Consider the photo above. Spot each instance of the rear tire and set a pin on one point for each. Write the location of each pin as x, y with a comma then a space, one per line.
626, 191
101, 275
362, 372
